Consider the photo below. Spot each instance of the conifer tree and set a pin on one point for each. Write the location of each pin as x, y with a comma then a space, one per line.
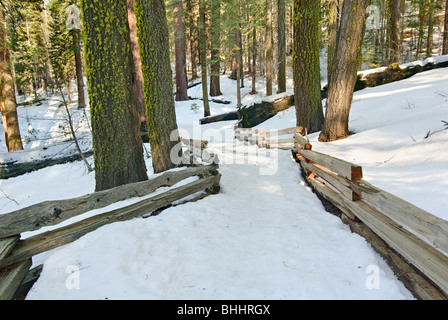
307, 96
117, 145
8, 104
152, 30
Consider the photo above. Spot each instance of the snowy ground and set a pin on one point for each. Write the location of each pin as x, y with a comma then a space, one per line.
266, 235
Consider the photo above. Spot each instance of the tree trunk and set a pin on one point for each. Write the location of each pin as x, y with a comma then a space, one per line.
269, 50
445, 31
180, 52
215, 86
203, 57
254, 59
8, 105
307, 88
152, 28
281, 46
344, 70
429, 40
78, 67
394, 31
192, 38
135, 47
117, 145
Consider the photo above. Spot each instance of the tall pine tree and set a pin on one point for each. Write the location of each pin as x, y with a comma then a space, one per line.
117, 145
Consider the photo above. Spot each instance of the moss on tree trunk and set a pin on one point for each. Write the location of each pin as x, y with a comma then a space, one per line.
307, 89
152, 30
117, 145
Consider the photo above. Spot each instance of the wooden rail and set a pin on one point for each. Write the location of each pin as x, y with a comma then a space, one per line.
16, 253
267, 139
416, 235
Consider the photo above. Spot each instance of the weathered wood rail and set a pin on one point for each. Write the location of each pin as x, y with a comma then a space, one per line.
16, 253
267, 139
418, 239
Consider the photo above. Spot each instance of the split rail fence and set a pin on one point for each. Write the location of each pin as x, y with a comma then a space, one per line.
418, 239
16, 254
267, 139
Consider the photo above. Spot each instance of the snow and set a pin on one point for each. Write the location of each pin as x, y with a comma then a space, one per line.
265, 235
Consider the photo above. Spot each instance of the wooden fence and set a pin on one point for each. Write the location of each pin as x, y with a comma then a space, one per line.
16, 253
267, 139
419, 239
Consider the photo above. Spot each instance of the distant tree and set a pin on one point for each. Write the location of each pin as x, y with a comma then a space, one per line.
203, 56
117, 145
269, 47
281, 40
306, 64
344, 69
215, 85
394, 31
153, 37
445, 30
8, 105
180, 52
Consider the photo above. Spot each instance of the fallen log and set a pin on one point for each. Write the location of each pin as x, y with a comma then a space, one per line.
14, 169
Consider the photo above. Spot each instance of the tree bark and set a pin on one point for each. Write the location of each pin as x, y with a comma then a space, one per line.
394, 31
254, 59
135, 47
180, 52
344, 70
117, 145
215, 85
8, 104
269, 50
192, 38
333, 24
78, 67
307, 88
152, 29
445, 30
203, 57
281, 38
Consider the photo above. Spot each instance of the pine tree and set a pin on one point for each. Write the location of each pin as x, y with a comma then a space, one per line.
8, 105
153, 37
445, 30
117, 145
307, 96
269, 47
203, 56
180, 52
215, 86
281, 38
344, 69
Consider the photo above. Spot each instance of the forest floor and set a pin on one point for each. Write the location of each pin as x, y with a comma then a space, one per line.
265, 235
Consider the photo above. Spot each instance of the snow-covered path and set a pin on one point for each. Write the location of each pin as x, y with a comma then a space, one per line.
262, 237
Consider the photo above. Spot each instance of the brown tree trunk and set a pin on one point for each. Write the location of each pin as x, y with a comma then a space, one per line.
281, 38
394, 31
215, 84
193, 38
135, 47
203, 56
152, 28
445, 30
78, 67
180, 52
254, 59
307, 88
269, 50
117, 145
344, 70
8, 105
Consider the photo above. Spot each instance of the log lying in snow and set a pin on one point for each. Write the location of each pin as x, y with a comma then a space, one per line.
259, 112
